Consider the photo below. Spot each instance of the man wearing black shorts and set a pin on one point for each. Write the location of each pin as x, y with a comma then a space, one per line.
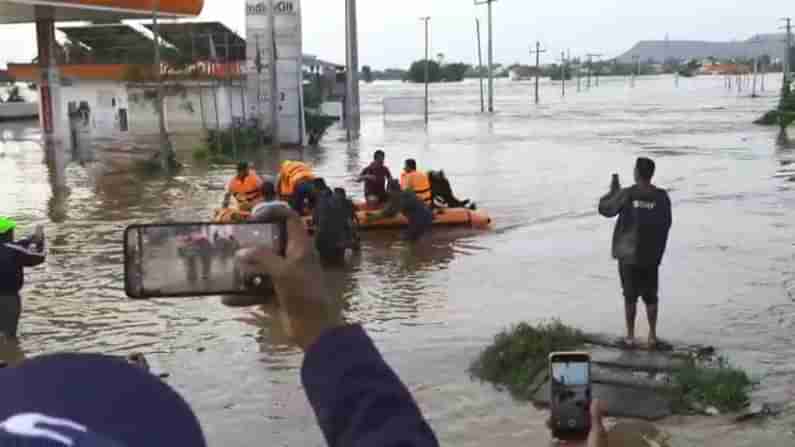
639, 240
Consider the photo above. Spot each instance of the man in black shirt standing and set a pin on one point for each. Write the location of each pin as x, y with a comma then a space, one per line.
639, 240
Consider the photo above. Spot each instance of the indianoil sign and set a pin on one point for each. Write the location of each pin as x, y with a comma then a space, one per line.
284, 43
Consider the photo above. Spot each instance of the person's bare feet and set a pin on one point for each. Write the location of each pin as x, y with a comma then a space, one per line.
629, 342
652, 342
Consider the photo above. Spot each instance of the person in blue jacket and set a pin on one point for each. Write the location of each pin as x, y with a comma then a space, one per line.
14, 257
73, 399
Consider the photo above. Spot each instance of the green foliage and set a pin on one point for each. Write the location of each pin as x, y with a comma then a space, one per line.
724, 387
229, 145
768, 119
520, 353
201, 153
417, 72
317, 125
454, 72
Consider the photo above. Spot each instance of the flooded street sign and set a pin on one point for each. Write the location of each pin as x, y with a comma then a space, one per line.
289, 61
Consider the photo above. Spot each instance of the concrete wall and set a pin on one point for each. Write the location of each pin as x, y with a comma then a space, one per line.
188, 112
105, 99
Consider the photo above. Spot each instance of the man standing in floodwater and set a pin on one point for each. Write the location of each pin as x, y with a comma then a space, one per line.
639, 240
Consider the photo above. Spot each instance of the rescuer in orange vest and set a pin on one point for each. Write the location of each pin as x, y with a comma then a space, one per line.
246, 186
295, 184
417, 181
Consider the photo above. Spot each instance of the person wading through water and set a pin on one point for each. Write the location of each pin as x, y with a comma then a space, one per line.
407, 203
14, 257
639, 241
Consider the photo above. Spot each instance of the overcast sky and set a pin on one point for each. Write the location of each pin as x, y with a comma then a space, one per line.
391, 34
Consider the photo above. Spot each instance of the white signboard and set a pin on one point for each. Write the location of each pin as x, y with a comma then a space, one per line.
289, 65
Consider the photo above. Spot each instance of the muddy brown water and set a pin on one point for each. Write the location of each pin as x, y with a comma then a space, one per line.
728, 278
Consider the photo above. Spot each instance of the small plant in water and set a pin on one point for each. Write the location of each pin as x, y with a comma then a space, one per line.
723, 386
520, 354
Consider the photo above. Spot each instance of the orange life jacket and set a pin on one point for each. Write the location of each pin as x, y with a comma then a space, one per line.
247, 190
418, 182
291, 174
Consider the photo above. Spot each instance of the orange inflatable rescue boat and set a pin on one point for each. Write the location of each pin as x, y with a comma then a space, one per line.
458, 217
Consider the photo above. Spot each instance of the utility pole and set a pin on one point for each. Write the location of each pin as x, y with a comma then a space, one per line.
275, 95
427, 62
636, 71
537, 52
490, 53
480, 67
352, 100
788, 66
166, 151
563, 73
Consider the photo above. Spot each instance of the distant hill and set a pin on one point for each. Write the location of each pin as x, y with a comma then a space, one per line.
773, 45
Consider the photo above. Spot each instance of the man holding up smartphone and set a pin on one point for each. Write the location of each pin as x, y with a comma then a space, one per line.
639, 241
14, 257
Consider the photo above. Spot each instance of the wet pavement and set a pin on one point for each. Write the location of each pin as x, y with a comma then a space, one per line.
728, 278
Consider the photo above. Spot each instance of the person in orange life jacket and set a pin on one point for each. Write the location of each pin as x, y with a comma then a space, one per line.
639, 241
417, 181
246, 186
295, 184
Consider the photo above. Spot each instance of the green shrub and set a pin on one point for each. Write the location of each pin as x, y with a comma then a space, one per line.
317, 125
521, 353
723, 387
201, 153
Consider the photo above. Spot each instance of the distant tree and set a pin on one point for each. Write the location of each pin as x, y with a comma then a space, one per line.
417, 72
367, 74
454, 72
765, 60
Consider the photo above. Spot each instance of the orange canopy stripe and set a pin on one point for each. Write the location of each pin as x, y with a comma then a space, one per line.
176, 7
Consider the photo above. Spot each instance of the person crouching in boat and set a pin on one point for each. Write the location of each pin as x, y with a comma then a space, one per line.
246, 187
406, 202
295, 184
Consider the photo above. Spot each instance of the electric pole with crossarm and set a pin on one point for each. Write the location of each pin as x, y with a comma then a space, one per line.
537, 52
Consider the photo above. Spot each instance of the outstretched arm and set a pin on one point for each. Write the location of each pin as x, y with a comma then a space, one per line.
358, 399
612, 203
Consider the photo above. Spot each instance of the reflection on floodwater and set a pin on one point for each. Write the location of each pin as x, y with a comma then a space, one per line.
538, 171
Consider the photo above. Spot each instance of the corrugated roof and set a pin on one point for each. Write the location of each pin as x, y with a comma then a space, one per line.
116, 43
193, 38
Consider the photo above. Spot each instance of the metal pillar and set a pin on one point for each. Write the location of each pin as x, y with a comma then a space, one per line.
353, 124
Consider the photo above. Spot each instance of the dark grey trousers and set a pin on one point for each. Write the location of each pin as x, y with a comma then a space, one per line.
10, 309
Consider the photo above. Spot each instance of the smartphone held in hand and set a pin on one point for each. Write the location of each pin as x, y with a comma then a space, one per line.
570, 395
196, 259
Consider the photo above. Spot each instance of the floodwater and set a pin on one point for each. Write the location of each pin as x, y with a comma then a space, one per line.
728, 278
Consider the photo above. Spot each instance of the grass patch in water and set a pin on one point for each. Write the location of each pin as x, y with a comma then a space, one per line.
722, 386
519, 355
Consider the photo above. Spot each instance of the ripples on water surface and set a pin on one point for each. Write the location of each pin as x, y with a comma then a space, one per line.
728, 277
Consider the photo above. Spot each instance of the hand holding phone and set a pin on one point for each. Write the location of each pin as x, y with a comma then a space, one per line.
570, 395
306, 307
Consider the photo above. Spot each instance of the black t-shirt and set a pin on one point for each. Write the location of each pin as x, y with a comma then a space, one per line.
644, 220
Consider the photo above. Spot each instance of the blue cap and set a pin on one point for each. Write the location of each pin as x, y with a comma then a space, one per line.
89, 400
